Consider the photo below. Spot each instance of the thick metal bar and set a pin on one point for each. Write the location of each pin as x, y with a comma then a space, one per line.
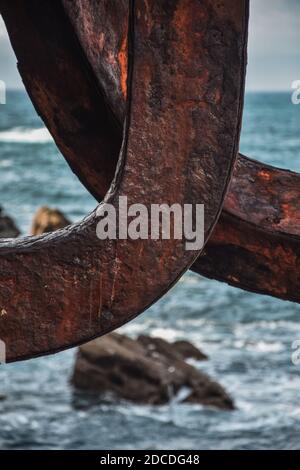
65, 288
255, 245
257, 254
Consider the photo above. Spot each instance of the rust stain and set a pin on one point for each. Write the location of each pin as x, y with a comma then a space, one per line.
116, 270
123, 63
265, 175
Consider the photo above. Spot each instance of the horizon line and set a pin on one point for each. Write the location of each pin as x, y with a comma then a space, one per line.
250, 90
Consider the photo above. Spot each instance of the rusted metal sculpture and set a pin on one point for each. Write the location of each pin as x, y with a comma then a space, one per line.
65, 288
255, 245
73, 118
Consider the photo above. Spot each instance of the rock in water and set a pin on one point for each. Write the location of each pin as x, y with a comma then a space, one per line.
177, 350
146, 371
47, 220
8, 228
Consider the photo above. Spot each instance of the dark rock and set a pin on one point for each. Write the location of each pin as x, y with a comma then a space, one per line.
47, 220
177, 350
8, 228
188, 350
146, 371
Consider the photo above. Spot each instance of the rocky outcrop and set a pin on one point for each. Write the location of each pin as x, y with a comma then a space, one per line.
8, 228
47, 220
146, 370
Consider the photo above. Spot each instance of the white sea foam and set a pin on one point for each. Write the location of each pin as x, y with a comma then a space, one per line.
26, 136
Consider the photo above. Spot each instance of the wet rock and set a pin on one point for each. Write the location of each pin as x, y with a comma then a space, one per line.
47, 220
145, 371
188, 350
8, 228
177, 350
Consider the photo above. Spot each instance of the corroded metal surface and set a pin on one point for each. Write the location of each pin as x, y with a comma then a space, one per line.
255, 244
102, 29
61, 289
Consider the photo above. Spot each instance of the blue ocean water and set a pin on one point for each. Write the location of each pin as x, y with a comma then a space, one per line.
247, 337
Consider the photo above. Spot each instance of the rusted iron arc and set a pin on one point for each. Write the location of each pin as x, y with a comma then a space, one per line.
260, 255
255, 245
62, 289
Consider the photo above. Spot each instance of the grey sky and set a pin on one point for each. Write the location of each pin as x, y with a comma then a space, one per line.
274, 47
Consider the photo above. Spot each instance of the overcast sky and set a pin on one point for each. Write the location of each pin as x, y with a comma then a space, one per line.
274, 47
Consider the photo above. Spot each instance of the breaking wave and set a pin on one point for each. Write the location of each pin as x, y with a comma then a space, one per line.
23, 135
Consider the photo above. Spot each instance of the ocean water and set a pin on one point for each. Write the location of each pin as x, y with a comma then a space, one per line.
248, 337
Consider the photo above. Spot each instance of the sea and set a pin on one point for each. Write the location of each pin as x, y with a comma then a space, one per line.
248, 337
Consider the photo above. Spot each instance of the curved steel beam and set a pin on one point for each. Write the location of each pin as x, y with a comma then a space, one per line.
255, 245
65, 288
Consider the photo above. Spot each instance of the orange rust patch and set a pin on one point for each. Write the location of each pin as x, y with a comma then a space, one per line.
265, 175
123, 62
